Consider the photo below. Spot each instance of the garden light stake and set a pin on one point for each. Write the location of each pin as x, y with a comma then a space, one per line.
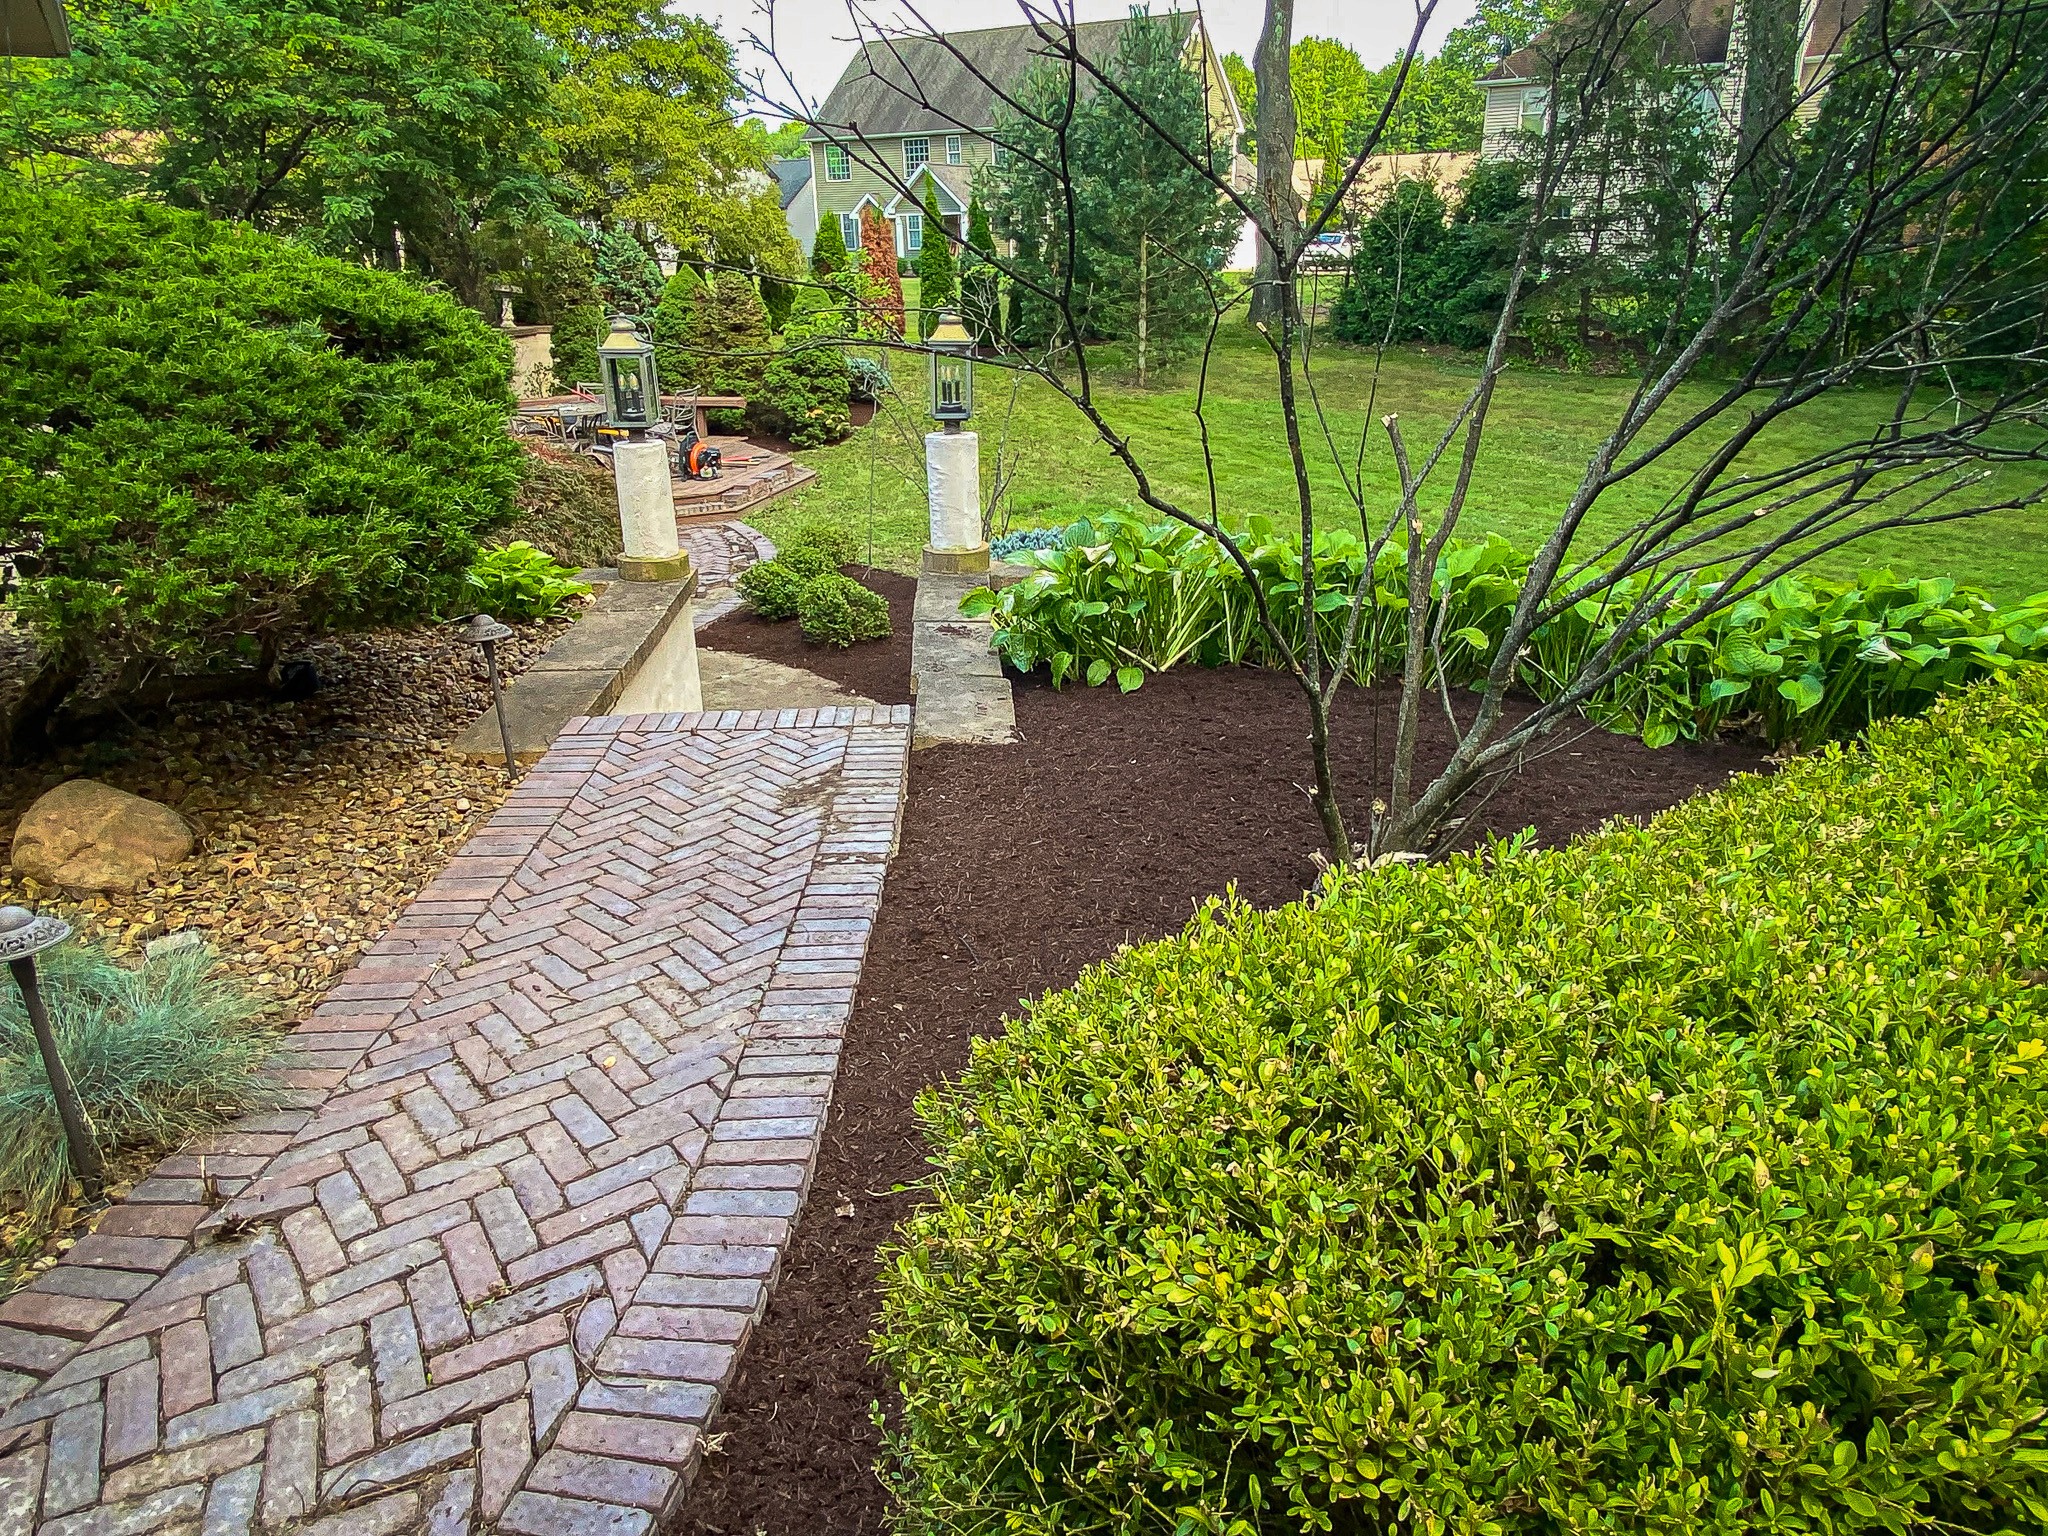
484, 632
23, 936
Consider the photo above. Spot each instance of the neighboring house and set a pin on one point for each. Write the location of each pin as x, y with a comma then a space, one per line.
33, 29
1443, 169
928, 114
799, 189
1707, 33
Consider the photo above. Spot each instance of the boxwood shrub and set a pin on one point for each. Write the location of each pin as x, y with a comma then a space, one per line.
1687, 1178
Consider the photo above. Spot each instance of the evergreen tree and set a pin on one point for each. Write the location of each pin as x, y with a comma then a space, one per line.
878, 263
777, 296
828, 247
628, 281
1154, 221
937, 281
676, 367
980, 293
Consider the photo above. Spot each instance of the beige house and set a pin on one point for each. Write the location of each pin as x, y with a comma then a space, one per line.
918, 114
1708, 34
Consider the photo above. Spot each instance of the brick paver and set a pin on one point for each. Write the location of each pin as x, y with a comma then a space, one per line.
491, 1262
720, 551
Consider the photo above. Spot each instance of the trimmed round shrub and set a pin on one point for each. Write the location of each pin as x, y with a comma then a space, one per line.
837, 610
1684, 1179
818, 536
774, 588
213, 437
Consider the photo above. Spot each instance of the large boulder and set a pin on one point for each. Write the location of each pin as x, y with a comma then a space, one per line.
93, 837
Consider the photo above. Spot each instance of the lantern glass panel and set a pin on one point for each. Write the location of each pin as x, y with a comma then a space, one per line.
952, 389
628, 391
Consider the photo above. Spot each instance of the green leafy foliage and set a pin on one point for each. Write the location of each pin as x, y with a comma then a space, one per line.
568, 506
837, 610
628, 281
773, 588
573, 347
518, 583
829, 254
1416, 277
722, 345
157, 1053
1806, 661
812, 538
981, 303
805, 395
1684, 1179
218, 437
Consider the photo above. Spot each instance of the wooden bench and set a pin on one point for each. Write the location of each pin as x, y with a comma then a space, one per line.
697, 405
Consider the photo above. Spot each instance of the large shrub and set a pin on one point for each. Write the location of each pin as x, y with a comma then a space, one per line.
805, 395
216, 438
1685, 1179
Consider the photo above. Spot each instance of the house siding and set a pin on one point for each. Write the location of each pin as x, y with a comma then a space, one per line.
840, 197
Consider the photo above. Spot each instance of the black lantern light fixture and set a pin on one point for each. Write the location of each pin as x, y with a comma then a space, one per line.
952, 350
23, 936
632, 393
484, 632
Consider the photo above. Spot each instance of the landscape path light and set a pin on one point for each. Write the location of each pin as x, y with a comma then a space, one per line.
649, 547
484, 632
952, 457
23, 936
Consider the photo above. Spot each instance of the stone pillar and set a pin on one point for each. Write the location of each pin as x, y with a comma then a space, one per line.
952, 463
647, 512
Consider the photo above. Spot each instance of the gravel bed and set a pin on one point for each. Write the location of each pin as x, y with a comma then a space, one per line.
316, 819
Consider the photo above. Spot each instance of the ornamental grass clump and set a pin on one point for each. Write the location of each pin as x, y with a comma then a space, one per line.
1683, 1179
158, 1052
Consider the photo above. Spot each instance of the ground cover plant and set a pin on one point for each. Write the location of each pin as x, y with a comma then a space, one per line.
158, 1052
518, 583
1683, 1178
1806, 660
215, 440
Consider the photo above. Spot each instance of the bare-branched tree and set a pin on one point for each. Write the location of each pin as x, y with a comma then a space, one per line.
1878, 219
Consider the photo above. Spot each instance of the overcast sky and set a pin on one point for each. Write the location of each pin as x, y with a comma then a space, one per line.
813, 38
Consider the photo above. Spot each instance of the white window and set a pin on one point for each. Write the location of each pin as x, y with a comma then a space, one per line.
849, 230
952, 149
917, 154
999, 153
837, 166
1534, 101
913, 232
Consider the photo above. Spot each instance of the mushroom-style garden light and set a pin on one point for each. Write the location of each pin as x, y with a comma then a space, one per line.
484, 632
23, 936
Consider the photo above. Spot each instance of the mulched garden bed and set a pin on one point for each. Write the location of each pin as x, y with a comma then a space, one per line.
1020, 865
880, 669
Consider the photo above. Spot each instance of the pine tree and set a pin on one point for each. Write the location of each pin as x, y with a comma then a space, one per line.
878, 259
980, 295
828, 247
938, 283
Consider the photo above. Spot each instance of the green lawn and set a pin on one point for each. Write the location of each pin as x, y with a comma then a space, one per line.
1043, 463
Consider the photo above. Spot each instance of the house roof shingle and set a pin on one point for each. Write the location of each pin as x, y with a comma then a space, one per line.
791, 177
884, 89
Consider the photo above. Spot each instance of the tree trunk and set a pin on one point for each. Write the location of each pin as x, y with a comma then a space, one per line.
1144, 293
27, 733
1272, 68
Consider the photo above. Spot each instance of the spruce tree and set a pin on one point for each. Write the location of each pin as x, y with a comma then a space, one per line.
937, 282
676, 368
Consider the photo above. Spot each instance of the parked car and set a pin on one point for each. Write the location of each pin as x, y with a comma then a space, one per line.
1332, 248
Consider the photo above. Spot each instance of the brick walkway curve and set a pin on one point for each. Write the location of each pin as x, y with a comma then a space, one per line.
497, 1278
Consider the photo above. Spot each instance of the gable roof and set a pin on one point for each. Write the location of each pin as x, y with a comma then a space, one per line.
791, 177
1702, 31
884, 88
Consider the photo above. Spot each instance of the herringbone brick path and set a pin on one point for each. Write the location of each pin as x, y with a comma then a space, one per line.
566, 1113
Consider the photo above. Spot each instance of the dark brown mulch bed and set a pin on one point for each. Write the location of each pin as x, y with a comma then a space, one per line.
878, 668
1019, 866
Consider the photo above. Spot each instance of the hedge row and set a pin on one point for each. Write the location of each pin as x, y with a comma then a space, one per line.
1686, 1179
